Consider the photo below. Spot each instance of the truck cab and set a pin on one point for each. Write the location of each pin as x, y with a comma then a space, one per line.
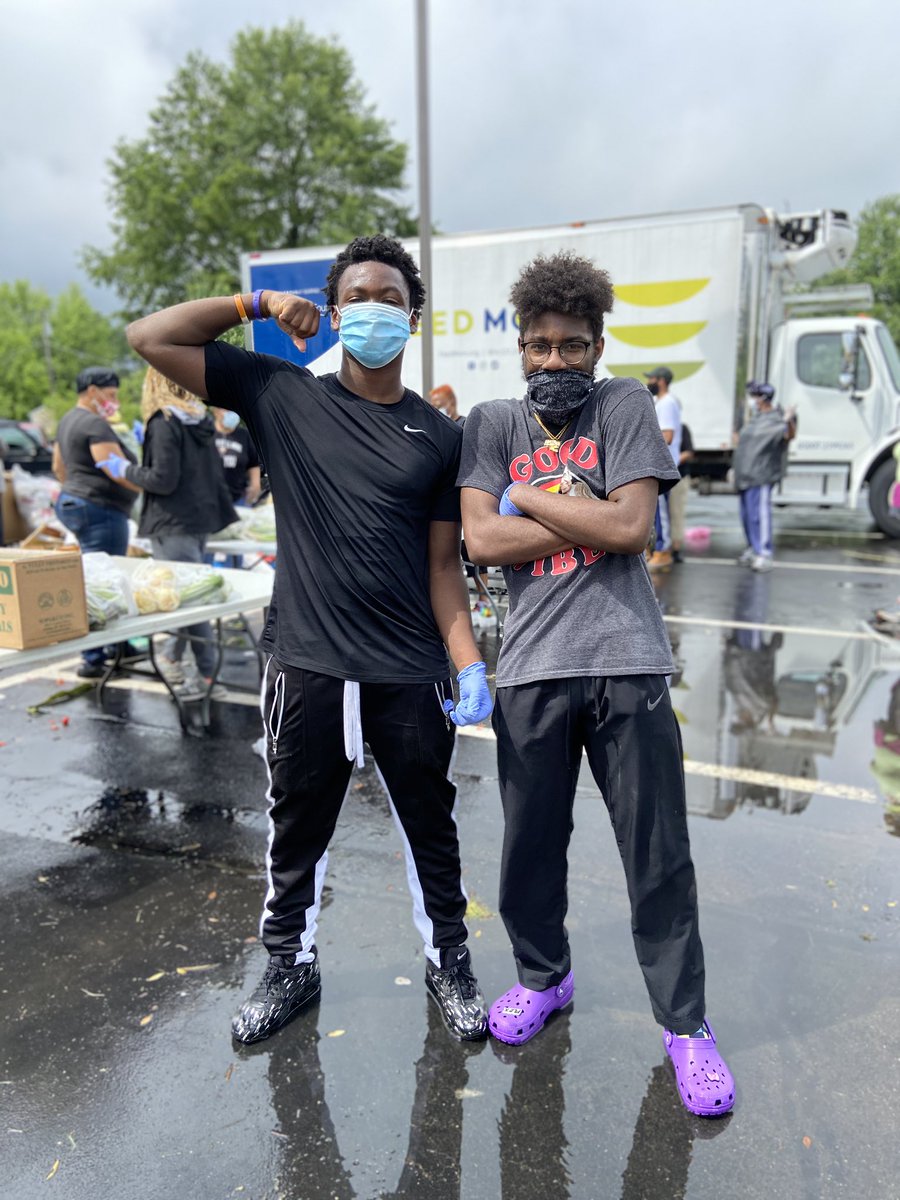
843, 376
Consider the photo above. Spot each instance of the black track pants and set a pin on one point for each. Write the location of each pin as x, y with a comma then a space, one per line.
633, 744
309, 773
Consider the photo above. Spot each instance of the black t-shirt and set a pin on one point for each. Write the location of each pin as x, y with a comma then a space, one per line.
687, 447
238, 456
355, 486
78, 431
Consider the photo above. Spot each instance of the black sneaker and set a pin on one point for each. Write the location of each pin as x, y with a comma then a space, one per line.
279, 996
90, 670
455, 991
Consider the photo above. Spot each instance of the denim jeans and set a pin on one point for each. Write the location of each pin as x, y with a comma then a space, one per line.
187, 547
97, 528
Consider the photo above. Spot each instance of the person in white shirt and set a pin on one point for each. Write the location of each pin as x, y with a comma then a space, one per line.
668, 413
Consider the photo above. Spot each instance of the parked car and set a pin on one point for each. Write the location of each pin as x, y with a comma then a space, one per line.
18, 446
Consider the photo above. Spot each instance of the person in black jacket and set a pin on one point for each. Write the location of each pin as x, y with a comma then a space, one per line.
186, 498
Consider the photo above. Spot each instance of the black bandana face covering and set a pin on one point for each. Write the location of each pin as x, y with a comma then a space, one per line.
557, 395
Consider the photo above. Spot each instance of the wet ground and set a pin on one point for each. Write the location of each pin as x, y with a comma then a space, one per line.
130, 882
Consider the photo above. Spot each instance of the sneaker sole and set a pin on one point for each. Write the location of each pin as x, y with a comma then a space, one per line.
298, 1007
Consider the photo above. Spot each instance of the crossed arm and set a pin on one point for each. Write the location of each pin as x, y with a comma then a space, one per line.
553, 522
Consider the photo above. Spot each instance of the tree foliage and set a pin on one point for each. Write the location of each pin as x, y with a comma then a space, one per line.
277, 147
876, 260
44, 343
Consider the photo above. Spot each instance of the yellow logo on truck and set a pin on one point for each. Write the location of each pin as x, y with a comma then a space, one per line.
657, 295
657, 335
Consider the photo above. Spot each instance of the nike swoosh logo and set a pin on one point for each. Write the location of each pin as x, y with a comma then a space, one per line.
650, 707
409, 429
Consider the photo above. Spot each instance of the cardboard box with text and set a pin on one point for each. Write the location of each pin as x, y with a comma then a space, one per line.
41, 598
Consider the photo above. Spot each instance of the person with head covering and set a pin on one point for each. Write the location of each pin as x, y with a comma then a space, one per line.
92, 504
760, 461
186, 498
443, 398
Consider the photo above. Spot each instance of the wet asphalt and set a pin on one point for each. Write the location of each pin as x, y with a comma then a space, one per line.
130, 876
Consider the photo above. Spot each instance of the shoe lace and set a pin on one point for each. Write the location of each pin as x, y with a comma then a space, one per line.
462, 977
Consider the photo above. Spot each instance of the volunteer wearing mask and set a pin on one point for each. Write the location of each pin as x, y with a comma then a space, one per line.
369, 599
759, 462
559, 487
93, 504
239, 458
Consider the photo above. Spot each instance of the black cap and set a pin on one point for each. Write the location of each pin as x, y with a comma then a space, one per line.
764, 390
101, 377
660, 373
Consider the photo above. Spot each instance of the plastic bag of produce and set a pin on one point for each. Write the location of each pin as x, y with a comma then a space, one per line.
163, 586
106, 588
35, 497
252, 525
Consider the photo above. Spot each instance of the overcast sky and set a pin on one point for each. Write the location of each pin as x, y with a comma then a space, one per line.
543, 111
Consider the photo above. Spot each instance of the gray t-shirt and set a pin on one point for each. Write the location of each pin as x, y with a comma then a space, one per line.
583, 611
78, 431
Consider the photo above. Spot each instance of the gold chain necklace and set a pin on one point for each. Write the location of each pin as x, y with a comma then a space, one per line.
553, 441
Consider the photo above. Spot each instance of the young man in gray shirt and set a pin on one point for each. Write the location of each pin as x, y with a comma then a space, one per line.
560, 489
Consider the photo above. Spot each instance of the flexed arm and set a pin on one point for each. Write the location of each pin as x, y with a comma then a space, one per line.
172, 340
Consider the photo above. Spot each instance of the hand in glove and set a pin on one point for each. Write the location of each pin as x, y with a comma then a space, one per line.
115, 465
507, 508
475, 701
137, 430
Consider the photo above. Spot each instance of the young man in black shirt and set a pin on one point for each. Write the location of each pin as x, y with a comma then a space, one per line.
368, 594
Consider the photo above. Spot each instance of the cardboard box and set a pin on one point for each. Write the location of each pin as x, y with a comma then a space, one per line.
41, 598
46, 537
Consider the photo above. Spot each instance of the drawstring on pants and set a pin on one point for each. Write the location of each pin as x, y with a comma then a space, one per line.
353, 734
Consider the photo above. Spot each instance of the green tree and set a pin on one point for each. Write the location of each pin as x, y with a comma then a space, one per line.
24, 377
80, 337
876, 260
278, 147
44, 343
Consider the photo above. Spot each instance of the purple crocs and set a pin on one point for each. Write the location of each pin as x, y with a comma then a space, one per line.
520, 1013
705, 1084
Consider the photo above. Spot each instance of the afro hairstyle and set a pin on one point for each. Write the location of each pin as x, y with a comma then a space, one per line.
377, 248
563, 283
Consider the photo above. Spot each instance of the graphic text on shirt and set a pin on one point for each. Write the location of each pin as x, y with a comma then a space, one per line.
576, 452
581, 452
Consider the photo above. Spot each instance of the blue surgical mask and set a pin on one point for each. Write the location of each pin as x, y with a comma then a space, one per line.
230, 420
373, 333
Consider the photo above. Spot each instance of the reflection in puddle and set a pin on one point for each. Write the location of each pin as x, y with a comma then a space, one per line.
785, 704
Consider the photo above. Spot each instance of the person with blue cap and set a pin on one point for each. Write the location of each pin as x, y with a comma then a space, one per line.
760, 461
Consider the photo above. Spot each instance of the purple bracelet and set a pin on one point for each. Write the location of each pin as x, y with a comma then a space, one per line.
257, 315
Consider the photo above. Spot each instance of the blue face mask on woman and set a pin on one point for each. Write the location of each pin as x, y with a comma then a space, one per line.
230, 420
373, 333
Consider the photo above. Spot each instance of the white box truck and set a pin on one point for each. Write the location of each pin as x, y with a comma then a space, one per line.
715, 295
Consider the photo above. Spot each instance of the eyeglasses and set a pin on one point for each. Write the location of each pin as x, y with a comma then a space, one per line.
572, 353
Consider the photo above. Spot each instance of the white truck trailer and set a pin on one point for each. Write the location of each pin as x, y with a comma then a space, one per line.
716, 295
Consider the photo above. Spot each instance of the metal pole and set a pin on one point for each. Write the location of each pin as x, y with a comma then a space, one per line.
424, 193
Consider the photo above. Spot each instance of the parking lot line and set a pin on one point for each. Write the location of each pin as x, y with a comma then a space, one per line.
782, 564
805, 630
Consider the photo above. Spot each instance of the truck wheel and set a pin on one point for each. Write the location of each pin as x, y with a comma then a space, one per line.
880, 486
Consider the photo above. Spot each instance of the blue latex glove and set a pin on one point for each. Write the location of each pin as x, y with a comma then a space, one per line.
137, 430
507, 508
475, 701
116, 465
